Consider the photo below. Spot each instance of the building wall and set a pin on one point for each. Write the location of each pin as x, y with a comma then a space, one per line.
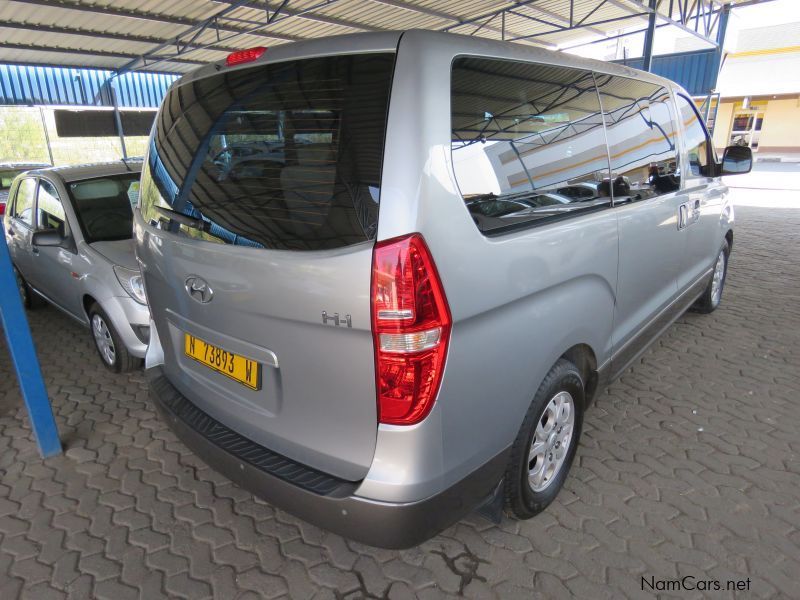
722, 125
781, 130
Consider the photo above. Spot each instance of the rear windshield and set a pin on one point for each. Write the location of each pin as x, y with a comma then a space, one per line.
281, 156
104, 206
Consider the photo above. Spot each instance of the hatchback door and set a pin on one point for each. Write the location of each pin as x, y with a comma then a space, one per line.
20, 227
52, 266
258, 213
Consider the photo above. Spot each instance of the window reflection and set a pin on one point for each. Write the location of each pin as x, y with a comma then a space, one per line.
699, 148
641, 139
23, 206
527, 142
281, 156
49, 209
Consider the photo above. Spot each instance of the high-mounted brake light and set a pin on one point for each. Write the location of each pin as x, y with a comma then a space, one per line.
411, 329
244, 56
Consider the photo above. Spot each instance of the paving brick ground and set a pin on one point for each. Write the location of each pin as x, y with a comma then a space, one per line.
689, 465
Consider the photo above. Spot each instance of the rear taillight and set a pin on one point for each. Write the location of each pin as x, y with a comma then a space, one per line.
244, 56
2, 208
411, 327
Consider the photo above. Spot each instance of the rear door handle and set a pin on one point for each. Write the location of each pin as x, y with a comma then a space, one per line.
35, 250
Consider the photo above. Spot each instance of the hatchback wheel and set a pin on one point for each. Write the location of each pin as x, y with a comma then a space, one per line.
546, 443
712, 296
29, 298
112, 351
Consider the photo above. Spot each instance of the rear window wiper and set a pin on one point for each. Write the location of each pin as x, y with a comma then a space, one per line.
184, 219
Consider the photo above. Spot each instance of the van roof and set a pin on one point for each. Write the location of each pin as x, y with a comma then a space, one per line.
387, 41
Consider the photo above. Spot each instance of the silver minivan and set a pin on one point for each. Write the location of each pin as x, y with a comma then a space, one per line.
389, 272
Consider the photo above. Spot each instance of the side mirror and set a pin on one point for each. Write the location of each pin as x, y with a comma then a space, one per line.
736, 160
48, 237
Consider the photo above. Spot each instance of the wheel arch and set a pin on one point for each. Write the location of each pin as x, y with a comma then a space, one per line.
584, 358
87, 302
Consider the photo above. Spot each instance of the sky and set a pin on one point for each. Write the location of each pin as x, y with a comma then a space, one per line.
671, 39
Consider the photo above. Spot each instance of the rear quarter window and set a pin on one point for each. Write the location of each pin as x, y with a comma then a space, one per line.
280, 156
527, 142
23, 202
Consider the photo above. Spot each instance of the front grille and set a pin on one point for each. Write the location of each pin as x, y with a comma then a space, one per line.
245, 449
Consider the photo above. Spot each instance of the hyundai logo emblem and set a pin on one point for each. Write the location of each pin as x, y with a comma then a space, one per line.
198, 289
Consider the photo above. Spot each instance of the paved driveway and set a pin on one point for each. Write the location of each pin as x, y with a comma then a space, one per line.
689, 466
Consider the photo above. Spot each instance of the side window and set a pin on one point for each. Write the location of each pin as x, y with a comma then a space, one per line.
642, 143
23, 203
699, 148
49, 211
527, 142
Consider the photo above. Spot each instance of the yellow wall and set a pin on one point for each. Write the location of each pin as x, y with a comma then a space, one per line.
722, 125
781, 128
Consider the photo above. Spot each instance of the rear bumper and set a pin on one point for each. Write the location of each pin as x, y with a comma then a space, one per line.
311, 495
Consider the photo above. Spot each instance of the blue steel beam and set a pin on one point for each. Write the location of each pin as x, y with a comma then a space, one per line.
23, 354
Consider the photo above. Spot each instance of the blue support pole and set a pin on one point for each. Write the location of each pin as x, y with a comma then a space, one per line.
23, 353
649, 36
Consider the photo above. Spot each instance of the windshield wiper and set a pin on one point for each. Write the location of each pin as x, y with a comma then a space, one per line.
183, 219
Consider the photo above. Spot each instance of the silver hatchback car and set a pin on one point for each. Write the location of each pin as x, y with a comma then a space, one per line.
69, 231
389, 272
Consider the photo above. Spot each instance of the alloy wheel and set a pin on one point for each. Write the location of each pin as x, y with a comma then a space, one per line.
719, 276
551, 441
103, 339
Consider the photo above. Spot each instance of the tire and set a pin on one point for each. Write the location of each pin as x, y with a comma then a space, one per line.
533, 483
113, 353
30, 299
712, 295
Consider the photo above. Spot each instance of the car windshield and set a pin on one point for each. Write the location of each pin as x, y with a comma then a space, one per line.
104, 206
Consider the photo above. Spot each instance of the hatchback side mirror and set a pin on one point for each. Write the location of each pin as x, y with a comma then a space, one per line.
48, 237
736, 160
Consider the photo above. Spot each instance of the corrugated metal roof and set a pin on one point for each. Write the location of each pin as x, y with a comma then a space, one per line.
113, 34
695, 71
28, 84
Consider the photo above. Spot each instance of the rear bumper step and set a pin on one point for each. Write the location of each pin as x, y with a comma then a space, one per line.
314, 496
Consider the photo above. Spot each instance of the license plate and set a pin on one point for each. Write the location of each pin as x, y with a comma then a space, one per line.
237, 367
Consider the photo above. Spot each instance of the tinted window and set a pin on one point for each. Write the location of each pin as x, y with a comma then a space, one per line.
699, 149
641, 138
527, 142
104, 206
284, 156
49, 211
23, 205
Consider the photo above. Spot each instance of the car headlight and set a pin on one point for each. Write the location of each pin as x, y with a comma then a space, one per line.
131, 282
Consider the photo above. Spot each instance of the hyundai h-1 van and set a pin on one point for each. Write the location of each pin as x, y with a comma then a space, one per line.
389, 272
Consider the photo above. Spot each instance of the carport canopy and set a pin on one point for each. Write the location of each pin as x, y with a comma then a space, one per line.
176, 36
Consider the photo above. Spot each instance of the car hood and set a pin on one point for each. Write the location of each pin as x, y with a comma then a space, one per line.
119, 252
